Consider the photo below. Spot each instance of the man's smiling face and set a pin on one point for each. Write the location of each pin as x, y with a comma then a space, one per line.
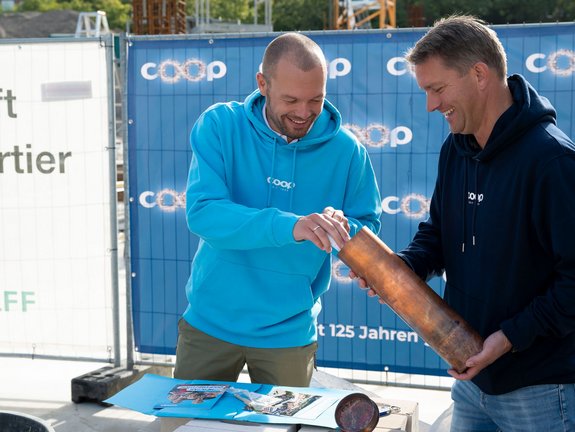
294, 98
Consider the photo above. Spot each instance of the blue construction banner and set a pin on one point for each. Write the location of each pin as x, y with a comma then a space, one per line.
171, 81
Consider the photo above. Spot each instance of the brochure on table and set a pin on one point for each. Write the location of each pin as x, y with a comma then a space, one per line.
291, 405
193, 395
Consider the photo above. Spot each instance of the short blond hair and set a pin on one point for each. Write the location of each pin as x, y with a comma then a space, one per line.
461, 41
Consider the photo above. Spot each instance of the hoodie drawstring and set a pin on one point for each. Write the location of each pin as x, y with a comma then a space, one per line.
270, 178
474, 202
464, 203
292, 178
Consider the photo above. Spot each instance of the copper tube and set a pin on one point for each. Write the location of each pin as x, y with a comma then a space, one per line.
446, 332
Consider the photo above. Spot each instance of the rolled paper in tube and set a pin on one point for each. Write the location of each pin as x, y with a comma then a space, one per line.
446, 332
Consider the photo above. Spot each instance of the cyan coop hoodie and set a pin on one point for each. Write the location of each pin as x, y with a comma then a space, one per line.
251, 283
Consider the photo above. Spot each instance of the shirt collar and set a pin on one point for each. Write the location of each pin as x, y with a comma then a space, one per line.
276, 132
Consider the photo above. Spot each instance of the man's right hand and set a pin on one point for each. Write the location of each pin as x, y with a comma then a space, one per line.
317, 226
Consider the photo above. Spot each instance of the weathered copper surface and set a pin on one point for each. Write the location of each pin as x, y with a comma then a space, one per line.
448, 334
356, 413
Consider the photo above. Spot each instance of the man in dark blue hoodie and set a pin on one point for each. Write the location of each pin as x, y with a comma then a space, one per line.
501, 227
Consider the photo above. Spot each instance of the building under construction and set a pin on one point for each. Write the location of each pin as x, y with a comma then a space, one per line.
356, 14
169, 16
153, 17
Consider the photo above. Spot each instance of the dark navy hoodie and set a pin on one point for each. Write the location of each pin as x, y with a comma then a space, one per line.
502, 227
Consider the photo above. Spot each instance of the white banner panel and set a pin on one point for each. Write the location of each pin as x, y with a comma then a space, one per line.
55, 294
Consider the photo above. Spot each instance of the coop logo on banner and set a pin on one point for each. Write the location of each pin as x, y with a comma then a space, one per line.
167, 200
414, 206
195, 70
192, 70
340, 272
338, 67
398, 66
378, 135
560, 62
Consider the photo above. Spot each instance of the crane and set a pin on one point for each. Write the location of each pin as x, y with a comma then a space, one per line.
354, 14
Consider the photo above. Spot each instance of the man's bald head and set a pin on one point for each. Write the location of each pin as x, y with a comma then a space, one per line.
298, 49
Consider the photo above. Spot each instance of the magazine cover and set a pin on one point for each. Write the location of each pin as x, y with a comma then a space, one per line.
202, 396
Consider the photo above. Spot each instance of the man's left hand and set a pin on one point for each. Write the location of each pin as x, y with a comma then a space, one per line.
338, 216
494, 347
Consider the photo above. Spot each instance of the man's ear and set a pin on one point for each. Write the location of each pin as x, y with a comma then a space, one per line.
262, 84
482, 74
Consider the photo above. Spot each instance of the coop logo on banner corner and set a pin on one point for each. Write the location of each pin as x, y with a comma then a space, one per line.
560, 62
193, 70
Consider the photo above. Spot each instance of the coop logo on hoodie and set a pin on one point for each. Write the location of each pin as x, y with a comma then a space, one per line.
281, 184
560, 62
473, 198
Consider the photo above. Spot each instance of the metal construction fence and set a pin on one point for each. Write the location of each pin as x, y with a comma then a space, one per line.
168, 82
58, 259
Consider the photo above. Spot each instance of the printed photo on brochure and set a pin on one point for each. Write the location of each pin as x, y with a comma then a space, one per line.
203, 396
282, 402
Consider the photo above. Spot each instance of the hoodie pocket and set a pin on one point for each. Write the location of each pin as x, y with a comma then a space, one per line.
267, 297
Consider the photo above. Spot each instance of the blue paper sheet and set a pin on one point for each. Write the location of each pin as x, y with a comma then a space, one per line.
144, 394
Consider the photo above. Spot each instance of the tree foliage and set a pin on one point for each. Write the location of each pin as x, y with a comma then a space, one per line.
494, 11
117, 11
300, 15
293, 15
225, 10
315, 14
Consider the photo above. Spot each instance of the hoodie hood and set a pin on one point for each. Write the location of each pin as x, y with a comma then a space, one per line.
325, 127
528, 109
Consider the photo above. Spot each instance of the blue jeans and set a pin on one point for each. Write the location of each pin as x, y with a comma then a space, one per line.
540, 408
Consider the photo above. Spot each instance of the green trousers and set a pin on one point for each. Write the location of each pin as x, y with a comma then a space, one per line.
203, 357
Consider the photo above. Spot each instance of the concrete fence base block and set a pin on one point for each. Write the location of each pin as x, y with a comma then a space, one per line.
99, 385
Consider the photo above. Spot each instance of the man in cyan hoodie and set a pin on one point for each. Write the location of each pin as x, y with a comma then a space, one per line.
501, 226
271, 180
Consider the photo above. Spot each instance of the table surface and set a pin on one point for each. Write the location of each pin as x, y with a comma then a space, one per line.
407, 419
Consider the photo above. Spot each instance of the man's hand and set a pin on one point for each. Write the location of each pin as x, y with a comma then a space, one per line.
338, 216
494, 347
363, 285
317, 226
